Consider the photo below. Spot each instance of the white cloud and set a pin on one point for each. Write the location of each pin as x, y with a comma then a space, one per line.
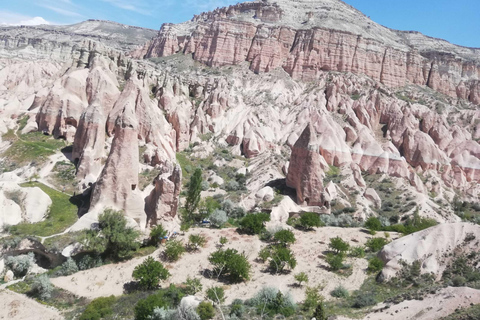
13, 19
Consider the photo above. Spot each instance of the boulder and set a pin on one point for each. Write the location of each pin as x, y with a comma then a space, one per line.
9, 276
372, 195
265, 194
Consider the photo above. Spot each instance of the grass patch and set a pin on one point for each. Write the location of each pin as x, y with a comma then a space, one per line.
470, 313
61, 216
62, 241
147, 177
33, 148
64, 176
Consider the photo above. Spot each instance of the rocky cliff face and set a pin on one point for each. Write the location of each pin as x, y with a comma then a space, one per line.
307, 38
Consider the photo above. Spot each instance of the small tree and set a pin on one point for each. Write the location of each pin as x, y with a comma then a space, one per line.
281, 257
310, 220
375, 244
223, 241
42, 287
320, 313
338, 245
174, 250
149, 273
205, 310
301, 277
335, 261
192, 286
254, 223
193, 193
113, 238
284, 237
99, 308
373, 224
230, 263
157, 234
216, 294
196, 241
375, 264
312, 297
218, 218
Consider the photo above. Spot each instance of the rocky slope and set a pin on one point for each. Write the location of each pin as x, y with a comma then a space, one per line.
394, 119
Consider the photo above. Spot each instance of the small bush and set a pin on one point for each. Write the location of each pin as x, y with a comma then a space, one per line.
205, 185
68, 267
165, 299
272, 301
232, 185
373, 224
237, 309
196, 241
254, 223
284, 237
149, 273
19, 264
458, 281
157, 234
310, 220
192, 286
218, 218
99, 308
364, 300
312, 298
281, 258
223, 241
174, 250
301, 277
230, 263
338, 245
357, 252
42, 287
205, 310
340, 292
375, 264
335, 261
375, 244
216, 294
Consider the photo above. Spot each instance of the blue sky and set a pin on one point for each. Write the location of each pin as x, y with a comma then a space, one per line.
456, 21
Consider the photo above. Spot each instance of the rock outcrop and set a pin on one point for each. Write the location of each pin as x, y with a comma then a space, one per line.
117, 186
162, 203
433, 247
306, 170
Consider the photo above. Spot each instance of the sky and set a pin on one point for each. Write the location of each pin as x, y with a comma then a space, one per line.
456, 21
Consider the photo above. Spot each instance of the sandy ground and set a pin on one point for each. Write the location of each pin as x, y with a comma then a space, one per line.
14, 306
432, 307
308, 249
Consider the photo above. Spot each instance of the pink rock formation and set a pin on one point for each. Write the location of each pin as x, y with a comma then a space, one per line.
305, 172
162, 203
117, 187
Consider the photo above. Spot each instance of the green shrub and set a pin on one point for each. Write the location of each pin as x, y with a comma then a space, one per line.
338, 245
237, 309
375, 244
113, 238
196, 241
218, 218
312, 298
375, 264
19, 264
357, 252
223, 241
364, 299
149, 273
335, 261
339, 292
458, 281
216, 294
166, 298
174, 250
231, 264
205, 310
301, 277
68, 267
281, 258
284, 237
42, 287
271, 301
310, 220
99, 308
254, 223
157, 234
373, 224
192, 286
